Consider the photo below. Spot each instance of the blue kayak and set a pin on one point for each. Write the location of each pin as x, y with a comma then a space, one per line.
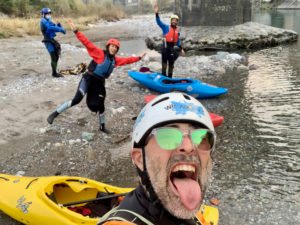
160, 83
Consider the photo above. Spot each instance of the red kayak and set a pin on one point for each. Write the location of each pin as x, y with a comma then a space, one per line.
215, 118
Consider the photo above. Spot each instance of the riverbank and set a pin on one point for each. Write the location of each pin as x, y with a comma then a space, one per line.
28, 93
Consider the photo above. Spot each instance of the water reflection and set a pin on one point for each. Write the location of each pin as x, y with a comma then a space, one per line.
257, 172
258, 163
269, 192
274, 92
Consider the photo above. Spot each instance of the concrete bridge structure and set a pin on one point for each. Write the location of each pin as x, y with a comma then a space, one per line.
213, 12
289, 4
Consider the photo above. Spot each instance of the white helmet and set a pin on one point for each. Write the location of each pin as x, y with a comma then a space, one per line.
174, 16
168, 108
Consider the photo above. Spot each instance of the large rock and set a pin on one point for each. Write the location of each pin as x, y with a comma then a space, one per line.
249, 35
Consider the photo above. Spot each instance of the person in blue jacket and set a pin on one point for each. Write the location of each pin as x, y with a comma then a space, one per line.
49, 30
171, 42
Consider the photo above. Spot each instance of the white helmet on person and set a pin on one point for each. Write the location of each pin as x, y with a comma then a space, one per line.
174, 16
169, 108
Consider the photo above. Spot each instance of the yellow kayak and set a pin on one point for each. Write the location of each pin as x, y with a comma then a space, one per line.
64, 200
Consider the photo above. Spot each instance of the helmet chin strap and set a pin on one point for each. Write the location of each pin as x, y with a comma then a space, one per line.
156, 209
145, 179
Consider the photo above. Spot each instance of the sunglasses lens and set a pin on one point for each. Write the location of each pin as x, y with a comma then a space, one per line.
201, 134
198, 135
168, 138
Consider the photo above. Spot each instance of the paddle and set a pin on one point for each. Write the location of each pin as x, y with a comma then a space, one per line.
94, 199
145, 69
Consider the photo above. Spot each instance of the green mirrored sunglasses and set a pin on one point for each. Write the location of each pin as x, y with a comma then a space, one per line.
170, 138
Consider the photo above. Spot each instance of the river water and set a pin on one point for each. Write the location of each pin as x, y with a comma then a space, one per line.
257, 173
257, 162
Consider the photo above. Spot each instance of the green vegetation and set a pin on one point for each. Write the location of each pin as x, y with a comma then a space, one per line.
23, 15
31, 8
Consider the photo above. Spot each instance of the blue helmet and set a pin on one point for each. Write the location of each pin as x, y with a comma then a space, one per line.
45, 11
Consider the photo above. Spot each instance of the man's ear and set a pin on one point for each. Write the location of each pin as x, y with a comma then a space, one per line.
137, 157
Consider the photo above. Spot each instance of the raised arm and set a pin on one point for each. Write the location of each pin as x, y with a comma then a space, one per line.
96, 53
163, 26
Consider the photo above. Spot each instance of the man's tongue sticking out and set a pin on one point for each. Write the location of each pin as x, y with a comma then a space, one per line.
189, 192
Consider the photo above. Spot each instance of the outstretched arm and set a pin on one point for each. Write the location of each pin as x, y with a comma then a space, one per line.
96, 53
120, 61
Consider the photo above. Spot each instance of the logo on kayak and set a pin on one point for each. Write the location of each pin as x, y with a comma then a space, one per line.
189, 88
22, 205
157, 78
185, 107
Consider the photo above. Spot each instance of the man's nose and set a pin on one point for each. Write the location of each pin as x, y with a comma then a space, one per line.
186, 145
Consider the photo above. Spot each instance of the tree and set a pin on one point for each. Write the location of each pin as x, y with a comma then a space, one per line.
7, 6
22, 7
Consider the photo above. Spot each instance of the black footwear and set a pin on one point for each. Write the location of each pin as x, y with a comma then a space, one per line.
103, 129
57, 75
52, 116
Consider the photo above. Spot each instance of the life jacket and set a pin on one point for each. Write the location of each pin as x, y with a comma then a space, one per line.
173, 35
137, 209
104, 69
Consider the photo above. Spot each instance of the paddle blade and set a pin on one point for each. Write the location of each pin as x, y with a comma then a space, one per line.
144, 69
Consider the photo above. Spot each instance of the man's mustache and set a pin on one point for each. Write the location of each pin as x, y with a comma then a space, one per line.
185, 159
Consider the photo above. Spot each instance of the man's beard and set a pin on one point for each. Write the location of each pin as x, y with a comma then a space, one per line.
159, 177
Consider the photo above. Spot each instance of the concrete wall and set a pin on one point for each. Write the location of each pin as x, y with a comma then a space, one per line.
126, 2
213, 12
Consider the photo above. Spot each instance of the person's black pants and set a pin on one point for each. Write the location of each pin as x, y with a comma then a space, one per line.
54, 61
169, 56
95, 90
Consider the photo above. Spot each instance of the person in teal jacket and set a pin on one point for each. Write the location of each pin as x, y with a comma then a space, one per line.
49, 30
